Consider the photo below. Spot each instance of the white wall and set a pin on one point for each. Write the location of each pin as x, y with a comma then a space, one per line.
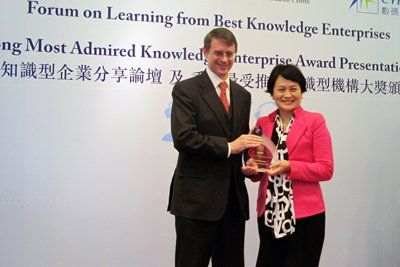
85, 166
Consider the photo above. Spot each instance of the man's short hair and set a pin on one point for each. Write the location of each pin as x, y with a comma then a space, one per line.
222, 34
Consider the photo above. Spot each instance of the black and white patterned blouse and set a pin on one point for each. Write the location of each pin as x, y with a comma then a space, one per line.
279, 212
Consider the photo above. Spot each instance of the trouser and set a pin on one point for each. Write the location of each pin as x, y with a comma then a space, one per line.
301, 249
223, 241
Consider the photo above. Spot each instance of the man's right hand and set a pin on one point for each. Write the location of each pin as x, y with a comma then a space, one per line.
243, 142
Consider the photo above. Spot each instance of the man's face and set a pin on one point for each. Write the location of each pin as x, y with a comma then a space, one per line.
220, 57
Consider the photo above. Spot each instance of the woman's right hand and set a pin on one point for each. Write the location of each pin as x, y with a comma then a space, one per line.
250, 169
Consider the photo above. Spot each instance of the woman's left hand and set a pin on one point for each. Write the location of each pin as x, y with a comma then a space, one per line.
279, 167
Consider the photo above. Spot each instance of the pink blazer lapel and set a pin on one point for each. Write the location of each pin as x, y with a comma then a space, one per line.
269, 127
296, 130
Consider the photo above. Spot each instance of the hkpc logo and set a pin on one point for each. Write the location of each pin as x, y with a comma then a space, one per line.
366, 6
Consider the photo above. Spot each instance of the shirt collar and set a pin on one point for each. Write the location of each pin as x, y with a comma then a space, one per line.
215, 79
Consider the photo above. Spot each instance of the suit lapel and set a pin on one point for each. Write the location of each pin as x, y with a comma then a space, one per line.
235, 107
212, 99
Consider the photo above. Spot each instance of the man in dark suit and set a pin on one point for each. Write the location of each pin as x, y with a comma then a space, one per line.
210, 126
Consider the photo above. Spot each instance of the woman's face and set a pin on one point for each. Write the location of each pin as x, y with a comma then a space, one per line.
286, 94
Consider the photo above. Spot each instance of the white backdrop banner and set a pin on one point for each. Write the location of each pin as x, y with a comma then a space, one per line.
86, 155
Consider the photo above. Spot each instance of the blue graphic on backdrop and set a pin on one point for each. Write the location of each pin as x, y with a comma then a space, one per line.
352, 4
262, 110
167, 113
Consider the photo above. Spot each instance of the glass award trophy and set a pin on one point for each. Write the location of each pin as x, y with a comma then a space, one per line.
262, 155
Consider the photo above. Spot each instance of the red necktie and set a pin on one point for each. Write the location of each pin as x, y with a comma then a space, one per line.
223, 85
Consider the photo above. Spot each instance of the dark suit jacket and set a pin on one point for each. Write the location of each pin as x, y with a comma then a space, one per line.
201, 130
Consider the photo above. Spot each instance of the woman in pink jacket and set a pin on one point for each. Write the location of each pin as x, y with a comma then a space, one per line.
290, 206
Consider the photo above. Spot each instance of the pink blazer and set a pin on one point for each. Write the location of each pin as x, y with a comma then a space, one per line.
310, 155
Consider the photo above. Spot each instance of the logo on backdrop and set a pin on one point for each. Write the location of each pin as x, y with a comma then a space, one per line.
376, 7
262, 110
366, 6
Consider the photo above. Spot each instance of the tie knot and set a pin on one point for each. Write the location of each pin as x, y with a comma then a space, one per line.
223, 85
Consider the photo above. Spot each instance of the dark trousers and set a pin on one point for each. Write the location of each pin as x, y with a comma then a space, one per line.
301, 249
223, 241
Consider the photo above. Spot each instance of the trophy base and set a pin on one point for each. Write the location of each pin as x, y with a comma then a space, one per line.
262, 170
263, 164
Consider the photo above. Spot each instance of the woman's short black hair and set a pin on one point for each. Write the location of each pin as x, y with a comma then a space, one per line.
289, 72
